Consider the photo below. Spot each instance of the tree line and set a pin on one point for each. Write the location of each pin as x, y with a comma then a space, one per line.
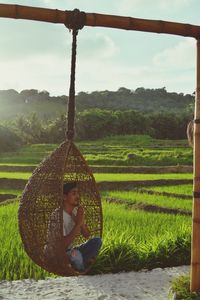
140, 99
92, 124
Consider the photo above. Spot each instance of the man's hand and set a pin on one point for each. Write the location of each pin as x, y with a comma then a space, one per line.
79, 218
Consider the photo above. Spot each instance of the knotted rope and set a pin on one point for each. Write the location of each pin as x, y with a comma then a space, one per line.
75, 21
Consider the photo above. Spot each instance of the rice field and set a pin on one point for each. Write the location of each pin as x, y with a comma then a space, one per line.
185, 189
142, 198
131, 240
129, 150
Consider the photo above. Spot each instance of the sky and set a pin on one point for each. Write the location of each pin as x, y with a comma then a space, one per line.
36, 55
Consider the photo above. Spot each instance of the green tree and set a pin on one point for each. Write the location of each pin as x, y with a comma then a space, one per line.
9, 140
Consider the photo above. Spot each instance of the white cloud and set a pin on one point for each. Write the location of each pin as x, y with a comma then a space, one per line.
99, 76
52, 73
130, 7
97, 46
24, 38
180, 56
169, 4
37, 72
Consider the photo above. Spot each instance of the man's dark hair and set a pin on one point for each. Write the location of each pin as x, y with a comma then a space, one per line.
68, 186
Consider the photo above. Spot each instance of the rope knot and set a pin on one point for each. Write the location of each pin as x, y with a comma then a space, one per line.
75, 19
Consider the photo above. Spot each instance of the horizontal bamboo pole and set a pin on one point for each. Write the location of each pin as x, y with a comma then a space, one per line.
101, 20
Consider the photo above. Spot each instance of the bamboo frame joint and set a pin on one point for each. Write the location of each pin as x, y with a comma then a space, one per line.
16, 11
130, 22
195, 220
196, 195
94, 19
197, 179
162, 26
195, 263
56, 16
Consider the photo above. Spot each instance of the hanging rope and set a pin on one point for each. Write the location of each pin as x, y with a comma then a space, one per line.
75, 21
71, 102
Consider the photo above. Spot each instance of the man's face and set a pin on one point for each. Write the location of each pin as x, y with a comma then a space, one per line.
73, 197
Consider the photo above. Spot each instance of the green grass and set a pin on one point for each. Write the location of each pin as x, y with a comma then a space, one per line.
132, 240
120, 221
15, 175
16, 164
135, 176
109, 177
162, 201
181, 286
184, 189
14, 262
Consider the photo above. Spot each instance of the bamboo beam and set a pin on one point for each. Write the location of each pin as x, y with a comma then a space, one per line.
195, 255
101, 20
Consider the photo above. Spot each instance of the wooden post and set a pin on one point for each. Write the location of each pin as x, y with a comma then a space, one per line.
195, 255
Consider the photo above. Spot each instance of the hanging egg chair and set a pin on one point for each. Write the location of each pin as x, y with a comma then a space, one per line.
41, 205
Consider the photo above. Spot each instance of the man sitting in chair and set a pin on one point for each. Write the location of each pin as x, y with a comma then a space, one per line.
82, 256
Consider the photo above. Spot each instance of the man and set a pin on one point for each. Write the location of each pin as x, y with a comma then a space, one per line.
74, 224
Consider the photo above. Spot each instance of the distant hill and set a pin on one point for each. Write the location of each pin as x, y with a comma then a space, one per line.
13, 104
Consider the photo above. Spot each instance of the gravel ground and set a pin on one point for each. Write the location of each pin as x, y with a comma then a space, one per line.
142, 285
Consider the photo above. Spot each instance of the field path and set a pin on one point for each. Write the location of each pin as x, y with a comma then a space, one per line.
143, 285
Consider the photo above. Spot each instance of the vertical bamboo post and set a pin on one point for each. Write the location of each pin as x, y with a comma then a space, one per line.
195, 255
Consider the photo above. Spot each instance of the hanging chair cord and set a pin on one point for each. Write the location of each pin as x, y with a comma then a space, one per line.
71, 101
75, 21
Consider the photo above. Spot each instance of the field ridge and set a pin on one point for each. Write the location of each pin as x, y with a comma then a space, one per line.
113, 169
148, 207
152, 192
11, 183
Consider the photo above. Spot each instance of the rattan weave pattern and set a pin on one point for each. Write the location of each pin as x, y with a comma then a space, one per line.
41, 209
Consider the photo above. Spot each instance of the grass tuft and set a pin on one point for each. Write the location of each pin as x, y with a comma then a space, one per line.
181, 288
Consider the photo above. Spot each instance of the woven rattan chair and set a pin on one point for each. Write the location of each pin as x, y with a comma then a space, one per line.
41, 207
41, 204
